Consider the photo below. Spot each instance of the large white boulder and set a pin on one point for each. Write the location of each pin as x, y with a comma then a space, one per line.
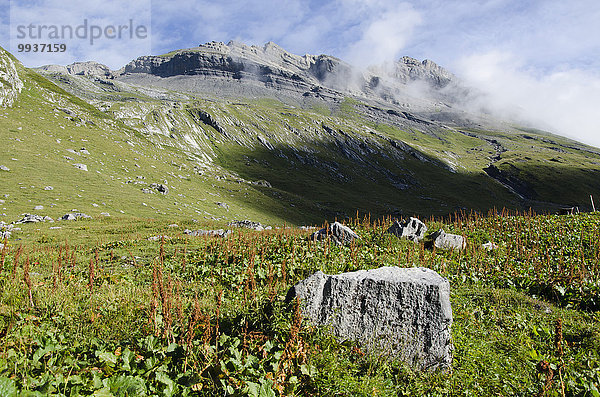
400, 312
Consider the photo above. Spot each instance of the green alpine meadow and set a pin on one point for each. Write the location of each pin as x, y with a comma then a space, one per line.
154, 218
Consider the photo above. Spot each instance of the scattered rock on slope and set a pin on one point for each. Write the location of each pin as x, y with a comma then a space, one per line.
412, 229
337, 232
73, 216
402, 313
213, 233
4, 168
82, 167
33, 218
249, 225
159, 187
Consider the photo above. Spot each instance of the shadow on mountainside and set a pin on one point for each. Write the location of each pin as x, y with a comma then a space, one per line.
328, 183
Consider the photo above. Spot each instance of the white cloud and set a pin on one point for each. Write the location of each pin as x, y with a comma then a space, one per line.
565, 102
386, 29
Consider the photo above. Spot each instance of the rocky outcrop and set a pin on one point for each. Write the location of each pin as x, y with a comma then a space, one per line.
411, 229
401, 313
508, 177
337, 233
10, 83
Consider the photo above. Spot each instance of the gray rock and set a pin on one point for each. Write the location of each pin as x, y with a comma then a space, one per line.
337, 232
262, 183
159, 187
223, 205
158, 238
33, 218
74, 216
10, 82
212, 233
147, 191
48, 188
4, 168
400, 313
104, 214
249, 225
446, 241
82, 167
412, 229
489, 246
38, 207
4, 235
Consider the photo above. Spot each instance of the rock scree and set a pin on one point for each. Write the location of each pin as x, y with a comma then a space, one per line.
403, 313
412, 229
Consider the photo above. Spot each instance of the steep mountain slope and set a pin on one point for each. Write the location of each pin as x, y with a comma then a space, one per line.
235, 131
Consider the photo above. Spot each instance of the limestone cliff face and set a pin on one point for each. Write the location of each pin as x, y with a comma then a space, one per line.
238, 70
272, 67
10, 83
89, 68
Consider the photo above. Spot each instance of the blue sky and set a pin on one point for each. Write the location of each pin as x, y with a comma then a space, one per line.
540, 56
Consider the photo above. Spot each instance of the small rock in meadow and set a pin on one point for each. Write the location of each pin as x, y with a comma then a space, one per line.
337, 232
158, 238
104, 214
223, 205
173, 225
489, 246
38, 207
80, 166
4, 168
412, 229
446, 241
213, 233
55, 227
48, 188
4, 235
